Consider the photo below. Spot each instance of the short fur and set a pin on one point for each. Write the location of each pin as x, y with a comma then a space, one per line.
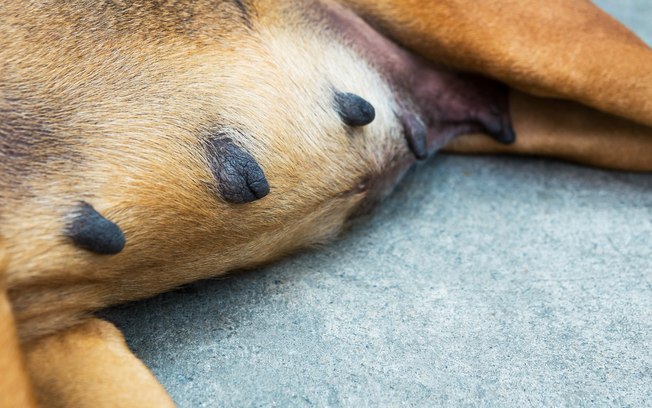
112, 104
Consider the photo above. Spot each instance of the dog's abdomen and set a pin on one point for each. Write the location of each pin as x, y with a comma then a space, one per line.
145, 148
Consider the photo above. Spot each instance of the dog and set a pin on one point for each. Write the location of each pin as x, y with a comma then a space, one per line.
148, 144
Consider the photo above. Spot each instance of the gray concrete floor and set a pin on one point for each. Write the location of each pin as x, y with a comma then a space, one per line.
636, 14
481, 282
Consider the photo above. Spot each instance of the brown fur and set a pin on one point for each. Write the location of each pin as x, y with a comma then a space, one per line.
15, 390
569, 131
109, 103
557, 48
95, 352
148, 170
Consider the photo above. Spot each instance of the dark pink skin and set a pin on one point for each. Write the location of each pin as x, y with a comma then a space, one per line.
447, 103
436, 104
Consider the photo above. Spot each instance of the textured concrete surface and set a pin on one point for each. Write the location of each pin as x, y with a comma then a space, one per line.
480, 282
636, 14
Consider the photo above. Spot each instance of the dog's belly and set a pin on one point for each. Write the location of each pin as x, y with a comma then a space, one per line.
143, 150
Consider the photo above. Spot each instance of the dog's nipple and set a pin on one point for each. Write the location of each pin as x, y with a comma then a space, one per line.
354, 110
415, 135
238, 176
499, 126
91, 231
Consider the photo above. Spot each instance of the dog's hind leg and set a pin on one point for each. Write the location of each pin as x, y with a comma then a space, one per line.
555, 48
569, 131
91, 366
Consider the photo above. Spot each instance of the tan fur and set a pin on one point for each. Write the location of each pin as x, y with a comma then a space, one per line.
563, 49
15, 389
147, 171
555, 48
568, 131
134, 93
91, 366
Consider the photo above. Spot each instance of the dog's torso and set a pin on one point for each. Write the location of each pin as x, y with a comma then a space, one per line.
147, 144
133, 136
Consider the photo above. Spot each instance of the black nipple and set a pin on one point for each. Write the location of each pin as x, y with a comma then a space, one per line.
354, 110
415, 135
499, 126
91, 231
507, 135
238, 176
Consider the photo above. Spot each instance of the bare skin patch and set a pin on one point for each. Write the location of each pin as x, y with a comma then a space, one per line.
444, 102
